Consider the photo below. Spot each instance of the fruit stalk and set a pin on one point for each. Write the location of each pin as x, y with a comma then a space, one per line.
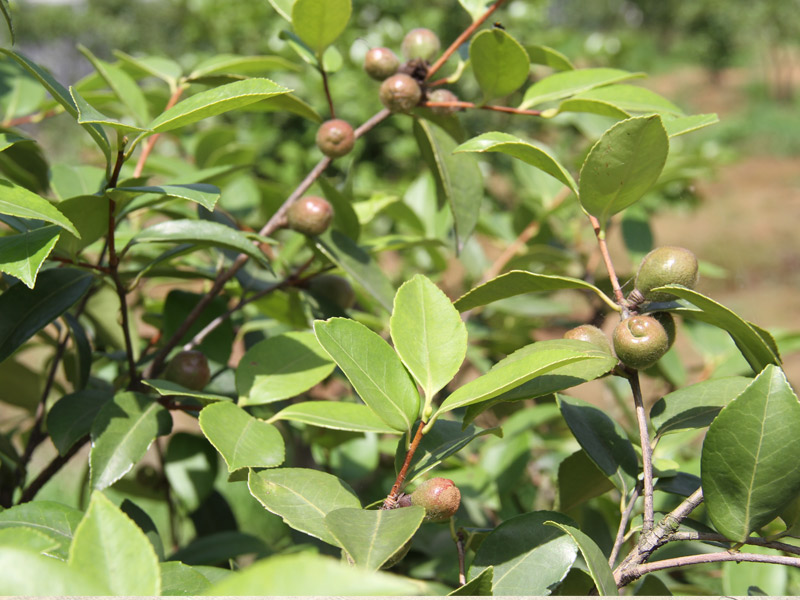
391, 499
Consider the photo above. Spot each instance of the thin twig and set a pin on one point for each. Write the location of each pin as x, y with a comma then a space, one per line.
647, 450
83, 265
29, 493
492, 107
327, 89
391, 499
151, 141
699, 536
612, 274
623, 526
32, 118
462, 575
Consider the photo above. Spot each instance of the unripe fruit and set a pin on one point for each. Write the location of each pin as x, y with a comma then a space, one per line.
335, 138
334, 288
663, 266
400, 93
189, 368
420, 43
640, 341
439, 497
591, 334
310, 215
442, 95
380, 63
668, 323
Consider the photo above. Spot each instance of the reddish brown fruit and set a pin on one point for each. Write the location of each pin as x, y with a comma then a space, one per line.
439, 497
335, 138
380, 63
310, 215
400, 93
442, 95
189, 368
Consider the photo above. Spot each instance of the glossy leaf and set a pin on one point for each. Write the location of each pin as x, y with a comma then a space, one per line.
17, 201
603, 439
27, 538
280, 367
22, 254
499, 62
9, 139
514, 283
6, 10
459, 183
26, 311
88, 114
319, 22
428, 333
178, 579
681, 125
620, 100
755, 349
123, 85
474, 7
622, 166
302, 498
203, 194
749, 456
580, 480
529, 557
568, 83
285, 102
72, 416
358, 264
156, 66
112, 550
27, 573
595, 560
345, 416
544, 55
89, 214
170, 388
696, 405
480, 585
373, 368
55, 520
371, 537
215, 102
226, 64
241, 439
121, 433
78, 360
205, 233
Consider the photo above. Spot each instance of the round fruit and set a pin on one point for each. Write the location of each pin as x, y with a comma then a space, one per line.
640, 341
591, 334
380, 63
663, 266
420, 43
400, 93
442, 95
668, 323
310, 215
188, 368
335, 138
334, 288
439, 497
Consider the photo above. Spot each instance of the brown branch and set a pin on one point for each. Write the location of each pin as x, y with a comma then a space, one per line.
391, 499
326, 88
148, 146
81, 264
612, 274
32, 118
697, 536
465, 35
462, 572
647, 450
623, 525
29, 493
495, 108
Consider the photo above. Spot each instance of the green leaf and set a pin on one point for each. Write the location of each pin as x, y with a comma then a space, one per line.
308, 574
121, 433
122, 84
220, 547
283, 7
27, 538
204, 194
302, 498
61, 95
88, 114
620, 101
72, 416
374, 369
480, 585
345, 416
170, 388
190, 466
241, 439
514, 283
474, 7
529, 557
78, 360
281, 367
178, 579
180, 304
371, 537
112, 550
215, 102
756, 579
90, 216
528, 152
319, 22
55, 520
428, 333
603, 439
569, 83
696, 405
597, 563
749, 457
579, 480
544, 55
681, 125
499, 62
156, 66
26, 311
358, 264
27, 573
6, 10
234, 64
20, 202
522, 366
9, 139
756, 350
204, 233
622, 166
289, 103
459, 183
23, 254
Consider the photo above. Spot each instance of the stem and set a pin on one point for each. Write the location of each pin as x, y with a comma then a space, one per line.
391, 499
623, 526
326, 88
462, 38
493, 107
459, 539
695, 536
29, 493
84, 265
32, 118
612, 274
647, 450
151, 141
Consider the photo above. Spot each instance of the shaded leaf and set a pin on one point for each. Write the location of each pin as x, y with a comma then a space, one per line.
480, 585
544, 55
346, 416
190, 466
220, 547
595, 560
580, 480
72, 416
122, 84
170, 388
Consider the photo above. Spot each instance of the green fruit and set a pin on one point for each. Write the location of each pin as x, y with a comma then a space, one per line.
380, 63
640, 341
188, 368
664, 266
442, 95
333, 288
335, 138
668, 323
591, 334
420, 43
400, 93
439, 497
310, 215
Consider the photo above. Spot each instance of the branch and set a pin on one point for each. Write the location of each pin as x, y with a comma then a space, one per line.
623, 525
612, 274
29, 493
647, 450
462, 104
326, 88
391, 499
148, 146
696, 536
